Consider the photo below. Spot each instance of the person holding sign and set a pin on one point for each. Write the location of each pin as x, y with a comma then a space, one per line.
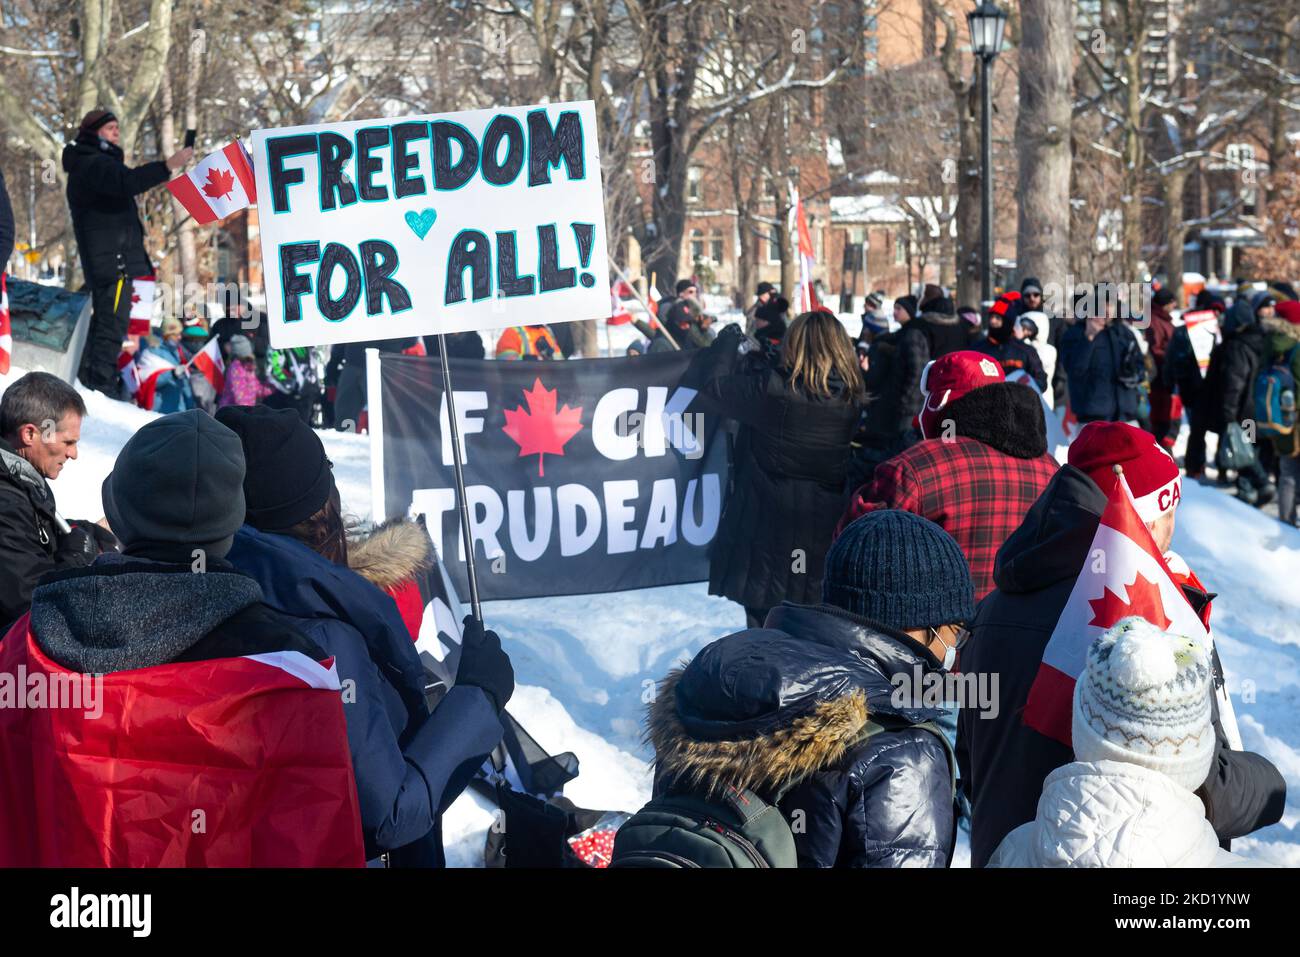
409, 764
101, 198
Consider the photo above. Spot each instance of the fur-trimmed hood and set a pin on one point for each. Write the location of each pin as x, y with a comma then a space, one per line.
764, 708
940, 318
1283, 332
392, 553
1007, 416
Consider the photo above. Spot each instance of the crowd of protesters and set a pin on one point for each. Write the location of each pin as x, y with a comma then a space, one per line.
895, 514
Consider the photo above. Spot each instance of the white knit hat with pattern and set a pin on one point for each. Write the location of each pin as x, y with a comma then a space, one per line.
1144, 698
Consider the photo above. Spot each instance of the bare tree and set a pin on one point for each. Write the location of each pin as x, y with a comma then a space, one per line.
1043, 137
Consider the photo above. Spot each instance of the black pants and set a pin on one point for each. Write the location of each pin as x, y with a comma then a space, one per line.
1197, 415
109, 318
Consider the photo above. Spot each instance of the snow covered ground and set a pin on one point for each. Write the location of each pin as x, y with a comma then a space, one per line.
585, 664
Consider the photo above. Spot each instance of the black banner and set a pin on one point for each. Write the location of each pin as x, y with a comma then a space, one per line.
582, 477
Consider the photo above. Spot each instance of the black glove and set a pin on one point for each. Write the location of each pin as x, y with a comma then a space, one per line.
105, 541
484, 665
77, 544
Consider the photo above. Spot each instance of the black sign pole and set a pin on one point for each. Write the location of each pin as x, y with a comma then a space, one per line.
475, 610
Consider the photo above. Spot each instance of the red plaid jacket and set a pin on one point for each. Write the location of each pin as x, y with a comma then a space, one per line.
977, 494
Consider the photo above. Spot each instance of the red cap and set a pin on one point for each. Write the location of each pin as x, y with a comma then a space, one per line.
950, 377
1290, 311
1150, 471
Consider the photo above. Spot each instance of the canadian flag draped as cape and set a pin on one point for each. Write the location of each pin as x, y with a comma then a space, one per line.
149, 365
1124, 575
233, 762
222, 183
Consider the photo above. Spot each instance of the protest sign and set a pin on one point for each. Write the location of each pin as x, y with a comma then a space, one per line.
388, 228
1203, 331
581, 477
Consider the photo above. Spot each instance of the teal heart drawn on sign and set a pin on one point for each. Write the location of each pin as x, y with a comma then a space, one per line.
421, 222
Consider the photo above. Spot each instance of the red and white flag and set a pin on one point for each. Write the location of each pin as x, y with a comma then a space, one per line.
1124, 575
143, 290
149, 365
618, 315
208, 361
221, 184
805, 296
129, 372
6, 334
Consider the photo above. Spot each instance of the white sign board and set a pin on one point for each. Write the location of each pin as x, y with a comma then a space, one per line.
447, 222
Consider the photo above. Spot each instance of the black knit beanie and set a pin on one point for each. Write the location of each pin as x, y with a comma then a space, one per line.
288, 477
899, 570
96, 119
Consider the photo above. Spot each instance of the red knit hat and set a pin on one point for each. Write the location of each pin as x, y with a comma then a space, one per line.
950, 377
1151, 472
1290, 311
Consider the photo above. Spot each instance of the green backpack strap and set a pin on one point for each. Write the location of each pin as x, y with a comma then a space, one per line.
874, 727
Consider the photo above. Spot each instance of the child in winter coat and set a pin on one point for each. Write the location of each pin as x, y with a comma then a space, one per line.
242, 387
172, 391
1143, 745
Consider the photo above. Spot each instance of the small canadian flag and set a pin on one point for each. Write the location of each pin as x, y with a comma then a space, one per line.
221, 184
142, 296
6, 336
208, 361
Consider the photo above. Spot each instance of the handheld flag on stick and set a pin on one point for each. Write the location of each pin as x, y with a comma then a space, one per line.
222, 183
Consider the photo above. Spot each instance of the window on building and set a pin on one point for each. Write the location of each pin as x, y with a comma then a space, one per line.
773, 245
694, 176
900, 249
697, 245
718, 251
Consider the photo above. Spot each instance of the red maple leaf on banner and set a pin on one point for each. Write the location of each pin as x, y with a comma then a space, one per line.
1144, 601
220, 183
542, 430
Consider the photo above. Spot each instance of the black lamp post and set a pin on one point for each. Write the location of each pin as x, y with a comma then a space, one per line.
987, 24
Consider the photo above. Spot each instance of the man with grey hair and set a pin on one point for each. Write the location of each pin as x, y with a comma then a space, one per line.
40, 425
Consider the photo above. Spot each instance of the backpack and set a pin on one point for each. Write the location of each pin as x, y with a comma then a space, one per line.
681, 831
1275, 389
737, 830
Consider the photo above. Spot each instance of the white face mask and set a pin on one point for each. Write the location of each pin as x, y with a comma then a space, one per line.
949, 651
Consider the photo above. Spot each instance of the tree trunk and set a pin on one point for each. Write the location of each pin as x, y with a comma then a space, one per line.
968, 197
1175, 230
1043, 139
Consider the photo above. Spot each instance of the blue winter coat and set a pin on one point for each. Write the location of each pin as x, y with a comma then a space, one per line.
172, 392
409, 765
1102, 375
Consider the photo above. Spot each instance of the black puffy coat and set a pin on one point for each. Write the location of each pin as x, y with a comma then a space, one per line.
29, 535
1230, 379
101, 197
1003, 761
789, 486
783, 710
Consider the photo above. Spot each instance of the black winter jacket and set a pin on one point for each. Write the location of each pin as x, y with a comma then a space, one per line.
6, 225
1234, 365
101, 197
1004, 762
1102, 375
1015, 355
29, 535
884, 394
782, 710
928, 336
789, 485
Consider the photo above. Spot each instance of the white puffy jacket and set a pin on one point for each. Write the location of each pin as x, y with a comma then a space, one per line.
1113, 814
